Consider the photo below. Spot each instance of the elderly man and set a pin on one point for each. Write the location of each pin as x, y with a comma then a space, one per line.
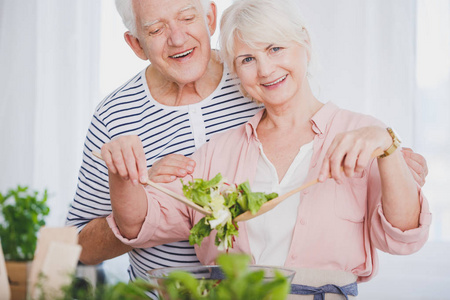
173, 106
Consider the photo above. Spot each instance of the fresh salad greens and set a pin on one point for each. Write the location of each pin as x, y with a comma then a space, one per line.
225, 201
239, 283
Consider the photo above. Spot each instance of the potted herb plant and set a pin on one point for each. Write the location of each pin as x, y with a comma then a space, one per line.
22, 213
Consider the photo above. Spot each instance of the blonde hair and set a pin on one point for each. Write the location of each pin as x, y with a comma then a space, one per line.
260, 21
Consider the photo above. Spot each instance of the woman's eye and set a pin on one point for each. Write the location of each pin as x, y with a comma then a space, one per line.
247, 60
275, 49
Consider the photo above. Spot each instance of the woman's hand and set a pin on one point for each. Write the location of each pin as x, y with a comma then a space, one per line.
124, 156
170, 168
351, 151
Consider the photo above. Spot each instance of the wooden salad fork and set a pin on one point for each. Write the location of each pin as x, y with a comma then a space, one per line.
170, 193
271, 204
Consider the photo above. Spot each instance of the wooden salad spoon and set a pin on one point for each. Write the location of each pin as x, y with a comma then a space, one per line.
269, 205
170, 193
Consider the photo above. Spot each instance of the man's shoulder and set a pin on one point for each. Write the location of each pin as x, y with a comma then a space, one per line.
134, 88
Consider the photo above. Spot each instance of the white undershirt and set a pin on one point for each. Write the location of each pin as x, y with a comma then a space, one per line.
270, 234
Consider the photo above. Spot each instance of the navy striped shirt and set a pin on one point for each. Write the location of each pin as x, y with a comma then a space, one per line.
131, 110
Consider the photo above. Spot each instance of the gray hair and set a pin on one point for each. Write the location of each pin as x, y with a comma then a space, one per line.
260, 21
126, 12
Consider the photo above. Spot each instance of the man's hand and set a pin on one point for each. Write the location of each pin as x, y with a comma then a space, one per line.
417, 165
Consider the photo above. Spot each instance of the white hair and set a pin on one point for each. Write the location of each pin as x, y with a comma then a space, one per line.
260, 21
126, 12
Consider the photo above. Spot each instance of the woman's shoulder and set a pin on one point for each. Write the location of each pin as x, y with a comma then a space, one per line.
352, 119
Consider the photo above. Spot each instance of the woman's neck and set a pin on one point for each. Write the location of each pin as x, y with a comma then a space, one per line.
293, 114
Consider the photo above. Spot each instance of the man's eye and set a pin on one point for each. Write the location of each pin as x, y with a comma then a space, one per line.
188, 18
156, 31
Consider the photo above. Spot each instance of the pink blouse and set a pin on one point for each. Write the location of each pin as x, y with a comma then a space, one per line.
338, 227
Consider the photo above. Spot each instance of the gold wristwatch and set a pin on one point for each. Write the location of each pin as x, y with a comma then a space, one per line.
395, 143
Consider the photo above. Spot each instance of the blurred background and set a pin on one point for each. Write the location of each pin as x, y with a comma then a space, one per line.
390, 59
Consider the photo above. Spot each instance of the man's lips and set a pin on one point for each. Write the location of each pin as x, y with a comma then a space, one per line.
274, 82
182, 54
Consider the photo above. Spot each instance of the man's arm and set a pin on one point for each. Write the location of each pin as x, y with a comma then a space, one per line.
99, 243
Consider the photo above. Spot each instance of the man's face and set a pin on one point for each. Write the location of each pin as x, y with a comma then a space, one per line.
175, 36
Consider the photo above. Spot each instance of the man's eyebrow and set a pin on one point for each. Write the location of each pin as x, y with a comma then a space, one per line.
148, 24
191, 6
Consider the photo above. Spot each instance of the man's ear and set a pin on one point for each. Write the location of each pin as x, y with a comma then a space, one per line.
211, 18
135, 45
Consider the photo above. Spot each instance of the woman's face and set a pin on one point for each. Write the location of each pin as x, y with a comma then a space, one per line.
272, 74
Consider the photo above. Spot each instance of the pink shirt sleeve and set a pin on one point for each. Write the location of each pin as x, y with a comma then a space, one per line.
167, 221
386, 237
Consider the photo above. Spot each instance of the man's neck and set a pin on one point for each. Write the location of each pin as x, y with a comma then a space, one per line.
174, 94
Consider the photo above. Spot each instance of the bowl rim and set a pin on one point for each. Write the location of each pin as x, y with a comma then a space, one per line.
291, 272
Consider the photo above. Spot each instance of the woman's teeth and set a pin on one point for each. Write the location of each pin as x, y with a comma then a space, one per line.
183, 54
277, 81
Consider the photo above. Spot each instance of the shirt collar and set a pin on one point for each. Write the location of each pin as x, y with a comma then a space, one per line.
322, 117
250, 126
319, 121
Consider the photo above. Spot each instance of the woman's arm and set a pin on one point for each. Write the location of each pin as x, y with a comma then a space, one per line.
352, 150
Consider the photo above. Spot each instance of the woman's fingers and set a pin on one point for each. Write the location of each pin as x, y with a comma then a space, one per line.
171, 167
125, 156
350, 152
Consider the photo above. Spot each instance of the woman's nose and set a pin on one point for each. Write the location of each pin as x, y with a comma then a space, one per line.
265, 67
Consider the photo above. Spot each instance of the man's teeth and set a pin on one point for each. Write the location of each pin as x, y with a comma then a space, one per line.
182, 54
275, 82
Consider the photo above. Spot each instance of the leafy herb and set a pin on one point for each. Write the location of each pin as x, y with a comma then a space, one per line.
225, 201
22, 213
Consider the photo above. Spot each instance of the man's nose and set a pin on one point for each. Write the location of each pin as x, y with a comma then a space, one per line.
177, 35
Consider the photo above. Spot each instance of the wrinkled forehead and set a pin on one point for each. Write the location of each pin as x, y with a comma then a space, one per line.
160, 9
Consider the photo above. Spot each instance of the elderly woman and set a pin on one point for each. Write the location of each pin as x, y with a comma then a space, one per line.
333, 227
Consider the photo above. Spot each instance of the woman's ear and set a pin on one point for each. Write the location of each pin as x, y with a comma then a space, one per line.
135, 45
307, 43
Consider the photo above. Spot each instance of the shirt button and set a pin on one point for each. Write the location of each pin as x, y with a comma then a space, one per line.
305, 192
314, 165
294, 256
303, 222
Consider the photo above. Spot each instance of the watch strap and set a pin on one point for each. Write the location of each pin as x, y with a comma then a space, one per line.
395, 143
